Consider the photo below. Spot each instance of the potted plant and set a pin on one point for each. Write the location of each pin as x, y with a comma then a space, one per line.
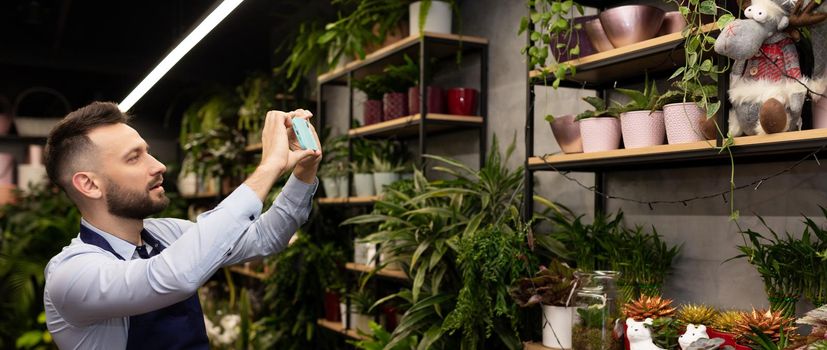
655, 313
361, 313
431, 16
257, 93
723, 326
566, 131
642, 259
641, 121
361, 168
698, 320
552, 288
765, 330
334, 169
683, 113
375, 87
600, 127
398, 81
553, 29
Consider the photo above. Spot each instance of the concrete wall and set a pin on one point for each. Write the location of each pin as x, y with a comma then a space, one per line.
703, 227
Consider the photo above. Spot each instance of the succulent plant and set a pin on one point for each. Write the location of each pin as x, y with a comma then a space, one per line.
649, 307
549, 286
665, 332
726, 321
697, 314
819, 345
709, 344
769, 323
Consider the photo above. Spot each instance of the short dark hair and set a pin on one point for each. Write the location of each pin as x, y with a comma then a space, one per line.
70, 138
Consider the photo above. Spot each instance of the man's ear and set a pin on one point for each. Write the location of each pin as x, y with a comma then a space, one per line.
87, 184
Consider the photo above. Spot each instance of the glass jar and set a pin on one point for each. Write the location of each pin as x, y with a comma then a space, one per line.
596, 321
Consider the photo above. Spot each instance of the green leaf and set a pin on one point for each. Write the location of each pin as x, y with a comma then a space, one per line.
713, 108
677, 73
684, 10
575, 51
419, 279
29, 339
536, 16
724, 20
419, 251
706, 66
535, 36
523, 25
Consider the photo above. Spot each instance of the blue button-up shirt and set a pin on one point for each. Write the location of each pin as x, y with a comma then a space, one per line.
90, 293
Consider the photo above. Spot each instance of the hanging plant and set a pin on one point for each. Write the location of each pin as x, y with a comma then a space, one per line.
548, 20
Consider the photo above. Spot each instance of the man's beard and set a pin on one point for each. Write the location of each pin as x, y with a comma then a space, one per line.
133, 205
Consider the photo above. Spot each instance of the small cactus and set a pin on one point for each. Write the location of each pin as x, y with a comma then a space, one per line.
697, 314
726, 321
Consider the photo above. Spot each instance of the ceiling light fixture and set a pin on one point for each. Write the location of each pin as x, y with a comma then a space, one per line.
203, 28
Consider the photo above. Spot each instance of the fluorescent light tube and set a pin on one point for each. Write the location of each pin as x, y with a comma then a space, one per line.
203, 28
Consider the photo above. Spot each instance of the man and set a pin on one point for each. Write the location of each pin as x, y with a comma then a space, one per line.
130, 282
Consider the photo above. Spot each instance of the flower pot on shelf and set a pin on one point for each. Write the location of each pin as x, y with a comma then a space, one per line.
331, 187
683, 122
363, 184
673, 22
600, 134
395, 105
557, 325
597, 37
642, 128
729, 338
438, 19
462, 101
436, 102
364, 253
626, 25
566, 131
372, 112
578, 35
342, 184
331, 307
360, 322
343, 312
380, 180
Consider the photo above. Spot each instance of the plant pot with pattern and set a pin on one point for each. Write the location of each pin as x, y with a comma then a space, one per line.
641, 123
684, 118
374, 87
399, 78
600, 128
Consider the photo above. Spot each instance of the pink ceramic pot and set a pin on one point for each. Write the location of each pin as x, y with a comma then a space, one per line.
642, 128
673, 22
395, 105
626, 25
597, 37
600, 134
373, 112
577, 37
683, 122
820, 114
436, 102
567, 133
462, 101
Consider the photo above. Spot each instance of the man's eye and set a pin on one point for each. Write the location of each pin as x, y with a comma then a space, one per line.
132, 159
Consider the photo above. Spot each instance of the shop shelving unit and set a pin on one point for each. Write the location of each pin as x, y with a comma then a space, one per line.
419, 127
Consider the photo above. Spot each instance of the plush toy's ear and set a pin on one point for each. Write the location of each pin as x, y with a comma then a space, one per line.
648, 320
783, 23
630, 321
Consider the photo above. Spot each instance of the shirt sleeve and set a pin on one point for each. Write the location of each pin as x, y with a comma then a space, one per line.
271, 232
87, 286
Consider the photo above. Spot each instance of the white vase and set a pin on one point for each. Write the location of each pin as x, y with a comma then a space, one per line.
557, 326
438, 19
342, 184
363, 183
380, 180
331, 187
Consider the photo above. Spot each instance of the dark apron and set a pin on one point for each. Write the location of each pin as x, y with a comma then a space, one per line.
178, 326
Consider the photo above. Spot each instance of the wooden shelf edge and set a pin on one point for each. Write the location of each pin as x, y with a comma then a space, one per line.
349, 200
410, 120
630, 51
397, 274
338, 327
242, 271
536, 346
393, 47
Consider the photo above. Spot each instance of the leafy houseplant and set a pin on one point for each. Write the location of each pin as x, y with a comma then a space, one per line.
601, 109
378, 339
642, 259
581, 242
549, 286
258, 95
547, 20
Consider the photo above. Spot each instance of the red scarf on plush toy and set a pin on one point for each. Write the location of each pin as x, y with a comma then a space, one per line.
773, 60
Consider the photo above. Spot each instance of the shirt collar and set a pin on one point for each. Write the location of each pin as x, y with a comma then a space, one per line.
122, 247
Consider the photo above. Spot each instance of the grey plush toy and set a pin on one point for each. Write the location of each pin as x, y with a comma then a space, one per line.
767, 89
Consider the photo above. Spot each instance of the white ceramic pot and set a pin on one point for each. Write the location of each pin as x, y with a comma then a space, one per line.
187, 184
600, 134
361, 322
380, 180
364, 253
557, 326
344, 313
331, 187
342, 184
406, 176
29, 175
683, 122
363, 183
642, 128
438, 19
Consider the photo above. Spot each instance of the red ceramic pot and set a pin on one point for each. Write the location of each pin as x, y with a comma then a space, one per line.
462, 101
435, 100
729, 338
396, 105
373, 112
331, 307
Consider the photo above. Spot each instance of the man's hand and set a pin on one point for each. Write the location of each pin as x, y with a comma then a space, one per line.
305, 168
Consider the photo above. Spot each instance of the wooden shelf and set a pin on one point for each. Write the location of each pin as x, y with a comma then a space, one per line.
409, 126
787, 146
397, 274
339, 328
654, 55
536, 346
439, 45
249, 273
349, 200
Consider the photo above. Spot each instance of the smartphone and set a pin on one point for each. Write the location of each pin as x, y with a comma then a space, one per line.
303, 134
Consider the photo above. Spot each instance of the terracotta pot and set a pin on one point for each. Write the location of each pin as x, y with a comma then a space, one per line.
597, 36
8, 194
600, 134
462, 101
373, 112
579, 35
567, 133
394, 34
729, 338
331, 307
436, 101
642, 128
673, 22
683, 122
395, 105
